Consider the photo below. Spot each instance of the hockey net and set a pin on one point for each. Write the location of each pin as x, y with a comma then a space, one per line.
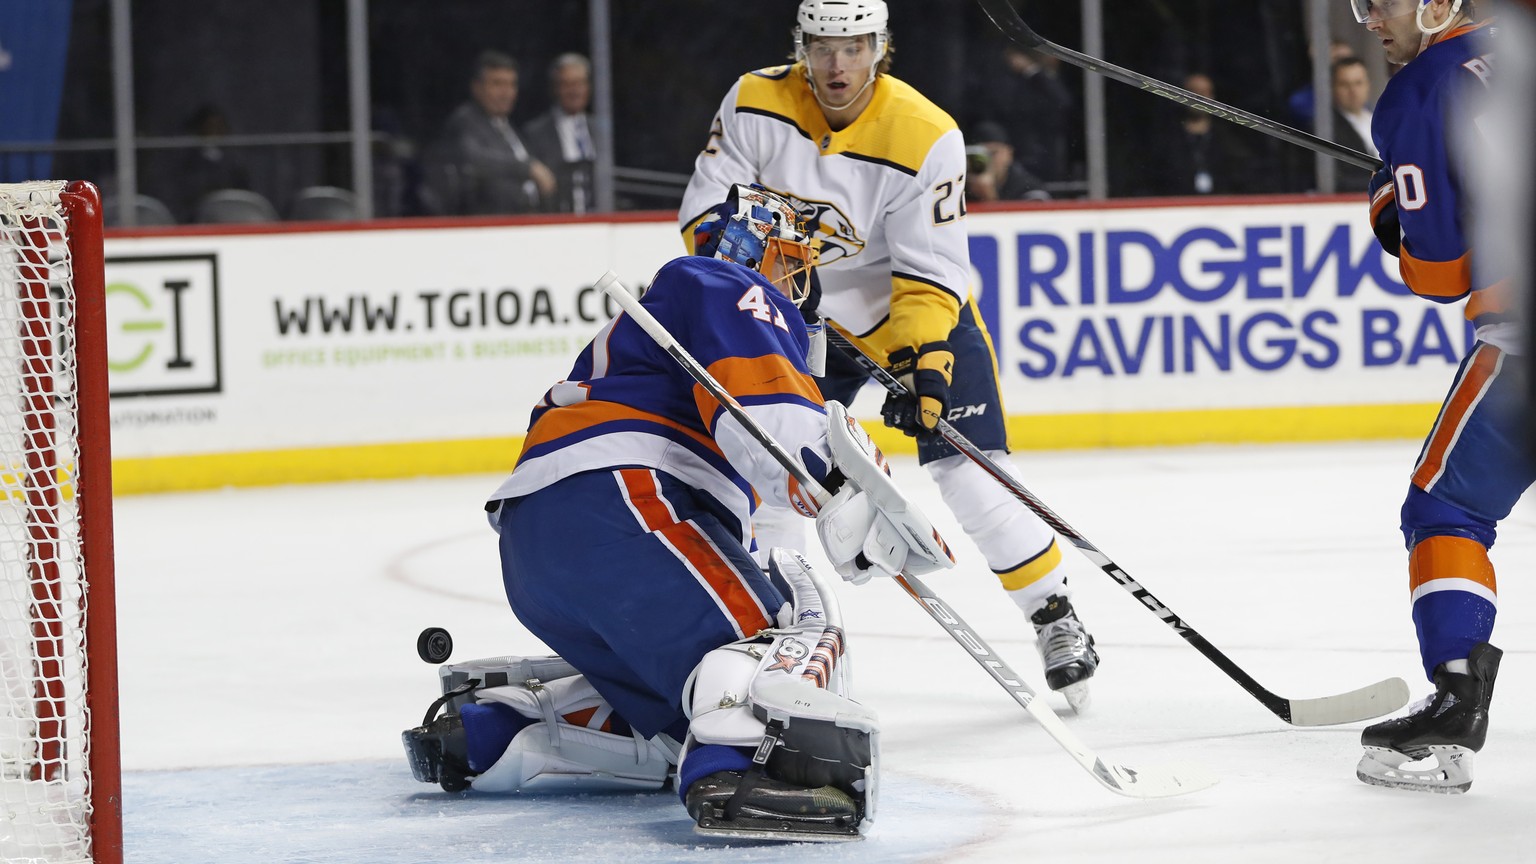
59, 775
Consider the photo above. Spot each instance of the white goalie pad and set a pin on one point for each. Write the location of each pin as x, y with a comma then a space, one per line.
792, 680
875, 518
552, 754
719, 694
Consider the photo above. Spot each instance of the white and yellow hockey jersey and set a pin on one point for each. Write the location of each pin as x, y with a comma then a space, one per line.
886, 196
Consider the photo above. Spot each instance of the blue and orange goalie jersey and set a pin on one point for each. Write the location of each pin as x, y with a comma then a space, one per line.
1425, 129
627, 403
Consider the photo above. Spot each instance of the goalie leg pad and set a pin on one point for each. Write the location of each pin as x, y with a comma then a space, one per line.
567, 758
563, 735
555, 754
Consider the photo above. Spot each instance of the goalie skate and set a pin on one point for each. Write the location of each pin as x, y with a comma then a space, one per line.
729, 804
1430, 749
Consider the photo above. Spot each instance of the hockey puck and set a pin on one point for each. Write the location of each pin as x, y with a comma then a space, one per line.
434, 645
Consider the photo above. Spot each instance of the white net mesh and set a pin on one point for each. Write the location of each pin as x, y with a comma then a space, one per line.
44, 746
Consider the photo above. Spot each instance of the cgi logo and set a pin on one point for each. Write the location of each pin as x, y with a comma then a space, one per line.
163, 325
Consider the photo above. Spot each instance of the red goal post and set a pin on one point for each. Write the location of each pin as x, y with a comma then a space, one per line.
60, 787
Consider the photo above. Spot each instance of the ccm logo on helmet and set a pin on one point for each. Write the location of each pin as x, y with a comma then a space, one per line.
834, 17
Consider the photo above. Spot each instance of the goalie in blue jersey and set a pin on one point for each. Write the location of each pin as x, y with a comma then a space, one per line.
626, 547
1474, 465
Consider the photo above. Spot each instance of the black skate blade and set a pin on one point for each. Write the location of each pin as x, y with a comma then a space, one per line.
751, 827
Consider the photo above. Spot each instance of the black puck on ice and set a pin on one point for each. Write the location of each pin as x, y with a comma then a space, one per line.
434, 645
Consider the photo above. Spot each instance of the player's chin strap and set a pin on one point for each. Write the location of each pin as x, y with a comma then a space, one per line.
1450, 18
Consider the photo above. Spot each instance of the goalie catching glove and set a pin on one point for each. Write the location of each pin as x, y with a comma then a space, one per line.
869, 527
926, 372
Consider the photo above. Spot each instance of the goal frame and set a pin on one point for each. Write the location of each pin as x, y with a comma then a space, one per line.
81, 204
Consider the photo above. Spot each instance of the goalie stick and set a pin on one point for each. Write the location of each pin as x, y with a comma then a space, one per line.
1146, 782
1368, 702
1007, 19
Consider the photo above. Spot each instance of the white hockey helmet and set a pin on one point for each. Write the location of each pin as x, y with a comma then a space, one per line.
1383, 9
841, 17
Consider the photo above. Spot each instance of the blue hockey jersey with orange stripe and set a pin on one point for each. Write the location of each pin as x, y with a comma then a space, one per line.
1420, 128
627, 403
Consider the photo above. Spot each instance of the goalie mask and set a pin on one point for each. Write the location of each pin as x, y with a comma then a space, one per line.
759, 229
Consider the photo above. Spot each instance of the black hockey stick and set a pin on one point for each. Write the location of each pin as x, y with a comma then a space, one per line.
1365, 703
1007, 20
1145, 782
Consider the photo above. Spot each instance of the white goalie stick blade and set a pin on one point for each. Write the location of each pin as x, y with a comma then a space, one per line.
1370, 701
1148, 781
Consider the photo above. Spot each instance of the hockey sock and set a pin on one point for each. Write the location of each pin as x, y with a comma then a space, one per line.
705, 760
489, 728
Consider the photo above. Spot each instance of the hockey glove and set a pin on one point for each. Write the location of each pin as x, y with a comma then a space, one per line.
869, 527
926, 372
1384, 219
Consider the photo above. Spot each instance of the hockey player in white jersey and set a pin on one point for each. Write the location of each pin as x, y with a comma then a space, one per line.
879, 173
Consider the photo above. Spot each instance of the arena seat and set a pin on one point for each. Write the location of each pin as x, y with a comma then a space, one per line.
233, 206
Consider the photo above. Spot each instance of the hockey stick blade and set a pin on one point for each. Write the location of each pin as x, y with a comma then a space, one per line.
1148, 781
1367, 703
1135, 783
1378, 699
1007, 19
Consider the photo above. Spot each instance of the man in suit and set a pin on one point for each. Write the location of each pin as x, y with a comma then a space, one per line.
562, 137
478, 163
1352, 118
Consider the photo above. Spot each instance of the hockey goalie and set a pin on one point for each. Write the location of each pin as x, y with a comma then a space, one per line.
626, 547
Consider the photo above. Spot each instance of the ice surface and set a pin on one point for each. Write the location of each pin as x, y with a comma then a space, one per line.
268, 665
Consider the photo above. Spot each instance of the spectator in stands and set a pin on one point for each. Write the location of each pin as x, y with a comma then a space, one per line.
1029, 101
208, 167
991, 172
478, 163
1195, 154
1303, 102
562, 136
1352, 118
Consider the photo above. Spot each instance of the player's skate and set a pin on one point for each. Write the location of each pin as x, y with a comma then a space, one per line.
1430, 750
1066, 649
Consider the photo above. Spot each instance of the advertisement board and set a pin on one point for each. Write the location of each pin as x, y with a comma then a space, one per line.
285, 356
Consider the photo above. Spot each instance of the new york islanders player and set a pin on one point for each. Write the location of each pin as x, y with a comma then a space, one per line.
624, 535
1473, 466
879, 172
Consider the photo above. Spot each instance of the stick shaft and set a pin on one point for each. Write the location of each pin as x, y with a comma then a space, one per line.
1279, 705
1013, 26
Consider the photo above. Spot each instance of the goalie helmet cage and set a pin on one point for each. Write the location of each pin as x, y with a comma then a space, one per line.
59, 760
